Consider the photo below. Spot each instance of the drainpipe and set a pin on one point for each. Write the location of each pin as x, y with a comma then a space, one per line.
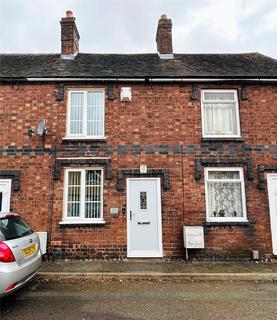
183, 184
51, 203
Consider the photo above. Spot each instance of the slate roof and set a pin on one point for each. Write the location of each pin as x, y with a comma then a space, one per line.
250, 65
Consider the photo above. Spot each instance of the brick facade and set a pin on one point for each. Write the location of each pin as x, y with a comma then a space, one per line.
160, 127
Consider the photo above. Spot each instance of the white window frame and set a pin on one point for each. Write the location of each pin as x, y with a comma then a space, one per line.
85, 111
81, 219
238, 135
209, 217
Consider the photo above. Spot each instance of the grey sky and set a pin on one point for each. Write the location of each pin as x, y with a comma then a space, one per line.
129, 26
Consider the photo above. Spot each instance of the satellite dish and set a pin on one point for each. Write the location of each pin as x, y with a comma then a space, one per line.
41, 130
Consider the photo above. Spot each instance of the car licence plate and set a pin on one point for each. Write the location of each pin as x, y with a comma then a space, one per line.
29, 250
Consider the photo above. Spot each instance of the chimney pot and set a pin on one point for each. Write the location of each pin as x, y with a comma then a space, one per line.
69, 14
163, 16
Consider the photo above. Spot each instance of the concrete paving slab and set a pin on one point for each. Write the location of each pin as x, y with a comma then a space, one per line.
158, 270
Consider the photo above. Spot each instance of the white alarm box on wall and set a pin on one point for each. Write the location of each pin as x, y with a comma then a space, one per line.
125, 94
43, 241
193, 237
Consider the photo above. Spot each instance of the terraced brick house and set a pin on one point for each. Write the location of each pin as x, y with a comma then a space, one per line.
133, 147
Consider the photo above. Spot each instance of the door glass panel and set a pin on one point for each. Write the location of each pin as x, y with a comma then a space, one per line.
143, 200
1, 197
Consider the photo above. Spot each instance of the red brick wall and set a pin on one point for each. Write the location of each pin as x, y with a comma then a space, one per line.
158, 115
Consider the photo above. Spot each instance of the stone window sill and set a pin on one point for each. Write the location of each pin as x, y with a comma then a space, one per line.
222, 139
227, 224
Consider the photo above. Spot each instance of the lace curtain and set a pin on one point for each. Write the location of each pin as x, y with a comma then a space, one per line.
225, 198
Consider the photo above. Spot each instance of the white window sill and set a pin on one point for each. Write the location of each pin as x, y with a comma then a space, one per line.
215, 136
68, 138
226, 220
81, 222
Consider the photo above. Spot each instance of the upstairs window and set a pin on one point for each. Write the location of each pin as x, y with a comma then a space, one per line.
220, 113
86, 114
225, 194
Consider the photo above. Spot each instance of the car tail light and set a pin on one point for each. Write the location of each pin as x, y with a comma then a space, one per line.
6, 254
7, 216
10, 287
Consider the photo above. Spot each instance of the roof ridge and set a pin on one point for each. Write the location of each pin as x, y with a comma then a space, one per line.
27, 54
265, 56
136, 54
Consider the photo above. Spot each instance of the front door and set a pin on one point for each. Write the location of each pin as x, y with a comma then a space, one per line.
272, 196
5, 195
144, 226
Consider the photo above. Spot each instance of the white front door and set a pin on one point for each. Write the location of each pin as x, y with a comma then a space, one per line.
144, 225
5, 194
272, 196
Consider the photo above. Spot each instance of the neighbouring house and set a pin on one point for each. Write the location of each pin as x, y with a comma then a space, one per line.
112, 154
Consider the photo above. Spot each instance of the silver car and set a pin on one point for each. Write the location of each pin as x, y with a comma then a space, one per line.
20, 255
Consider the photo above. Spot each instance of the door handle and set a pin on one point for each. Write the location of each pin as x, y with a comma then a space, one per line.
131, 215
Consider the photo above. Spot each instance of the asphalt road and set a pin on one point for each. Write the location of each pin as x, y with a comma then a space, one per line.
143, 300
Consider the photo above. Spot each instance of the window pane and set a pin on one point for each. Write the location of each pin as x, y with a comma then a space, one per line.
225, 199
220, 118
223, 174
76, 113
93, 196
95, 114
219, 96
73, 194
93, 177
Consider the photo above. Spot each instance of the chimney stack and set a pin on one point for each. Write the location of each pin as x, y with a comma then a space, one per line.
69, 36
164, 38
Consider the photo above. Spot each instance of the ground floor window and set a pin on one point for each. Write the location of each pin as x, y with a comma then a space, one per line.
83, 195
225, 194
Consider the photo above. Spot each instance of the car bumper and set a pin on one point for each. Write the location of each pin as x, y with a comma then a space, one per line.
12, 273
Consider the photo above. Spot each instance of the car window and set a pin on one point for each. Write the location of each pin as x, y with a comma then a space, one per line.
2, 238
13, 227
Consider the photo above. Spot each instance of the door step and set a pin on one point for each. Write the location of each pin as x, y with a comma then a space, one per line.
145, 260
273, 259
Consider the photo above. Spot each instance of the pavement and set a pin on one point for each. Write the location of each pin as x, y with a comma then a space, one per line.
144, 269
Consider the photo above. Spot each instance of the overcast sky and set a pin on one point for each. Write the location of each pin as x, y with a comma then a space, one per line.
129, 26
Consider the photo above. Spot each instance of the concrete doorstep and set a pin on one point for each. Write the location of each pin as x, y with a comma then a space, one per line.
156, 271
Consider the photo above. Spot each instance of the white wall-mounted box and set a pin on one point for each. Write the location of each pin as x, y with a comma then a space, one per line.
143, 168
193, 237
43, 241
114, 211
126, 94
